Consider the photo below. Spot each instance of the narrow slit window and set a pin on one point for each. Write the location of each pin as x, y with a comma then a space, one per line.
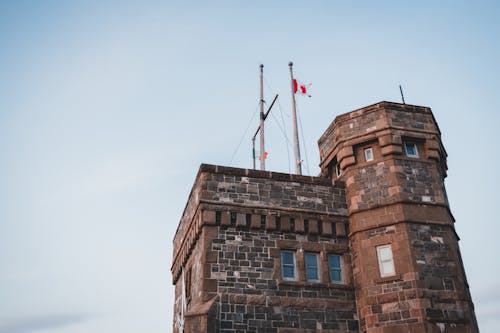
187, 286
312, 268
288, 265
338, 170
263, 221
385, 261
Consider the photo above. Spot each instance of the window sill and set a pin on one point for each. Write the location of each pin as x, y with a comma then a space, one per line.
392, 278
314, 284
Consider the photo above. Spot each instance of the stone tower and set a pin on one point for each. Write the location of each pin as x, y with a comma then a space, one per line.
408, 273
368, 247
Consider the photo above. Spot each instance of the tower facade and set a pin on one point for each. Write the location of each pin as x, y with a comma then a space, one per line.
407, 269
368, 247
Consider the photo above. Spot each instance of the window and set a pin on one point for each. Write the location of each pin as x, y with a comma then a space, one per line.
338, 170
411, 150
385, 261
335, 269
312, 271
368, 154
448, 284
288, 265
187, 285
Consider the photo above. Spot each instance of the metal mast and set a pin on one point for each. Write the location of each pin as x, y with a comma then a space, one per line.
262, 149
296, 148
402, 96
258, 129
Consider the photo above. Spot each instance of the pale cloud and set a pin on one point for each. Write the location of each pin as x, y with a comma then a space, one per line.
30, 324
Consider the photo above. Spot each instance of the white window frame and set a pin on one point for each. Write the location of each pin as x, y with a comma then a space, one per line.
338, 170
294, 265
383, 259
318, 271
415, 148
368, 152
340, 268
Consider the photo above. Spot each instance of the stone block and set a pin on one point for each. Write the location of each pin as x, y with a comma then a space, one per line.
285, 223
299, 225
271, 222
313, 227
340, 229
208, 217
241, 220
345, 152
255, 221
326, 228
348, 161
391, 149
210, 285
225, 218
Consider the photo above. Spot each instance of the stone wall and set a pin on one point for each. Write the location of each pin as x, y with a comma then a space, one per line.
238, 222
397, 200
254, 298
272, 190
235, 225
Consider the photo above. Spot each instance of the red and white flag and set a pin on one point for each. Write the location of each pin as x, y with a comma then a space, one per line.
301, 88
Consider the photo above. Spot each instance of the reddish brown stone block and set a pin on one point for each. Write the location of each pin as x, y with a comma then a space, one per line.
208, 217
255, 221
285, 223
340, 229
299, 225
326, 228
225, 218
271, 222
313, 227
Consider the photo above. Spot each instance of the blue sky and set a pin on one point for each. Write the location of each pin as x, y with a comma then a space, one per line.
107, 109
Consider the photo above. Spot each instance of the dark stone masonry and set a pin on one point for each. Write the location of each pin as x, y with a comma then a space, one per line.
369, 246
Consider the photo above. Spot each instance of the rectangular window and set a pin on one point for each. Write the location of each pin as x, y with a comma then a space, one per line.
312, 271
338, 170
368, 154
448, 284
187, 285
385, 261
263, 221
288, 265
411, 150
335, 268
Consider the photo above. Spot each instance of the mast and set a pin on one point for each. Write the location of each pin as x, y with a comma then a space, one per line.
262, 149
258, 129
253, 151
296, 148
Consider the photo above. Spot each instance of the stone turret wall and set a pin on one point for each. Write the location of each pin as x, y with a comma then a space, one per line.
396, 200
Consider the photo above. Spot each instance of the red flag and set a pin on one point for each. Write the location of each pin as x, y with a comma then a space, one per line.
301, 88
265, 156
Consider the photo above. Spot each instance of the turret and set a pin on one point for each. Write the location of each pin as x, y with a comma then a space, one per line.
407, 269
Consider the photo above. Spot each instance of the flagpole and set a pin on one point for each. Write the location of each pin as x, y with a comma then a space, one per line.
296, 148
253, 151
262, 149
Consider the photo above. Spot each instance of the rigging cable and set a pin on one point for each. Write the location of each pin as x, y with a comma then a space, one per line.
288, 144
244, 134
303, 142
